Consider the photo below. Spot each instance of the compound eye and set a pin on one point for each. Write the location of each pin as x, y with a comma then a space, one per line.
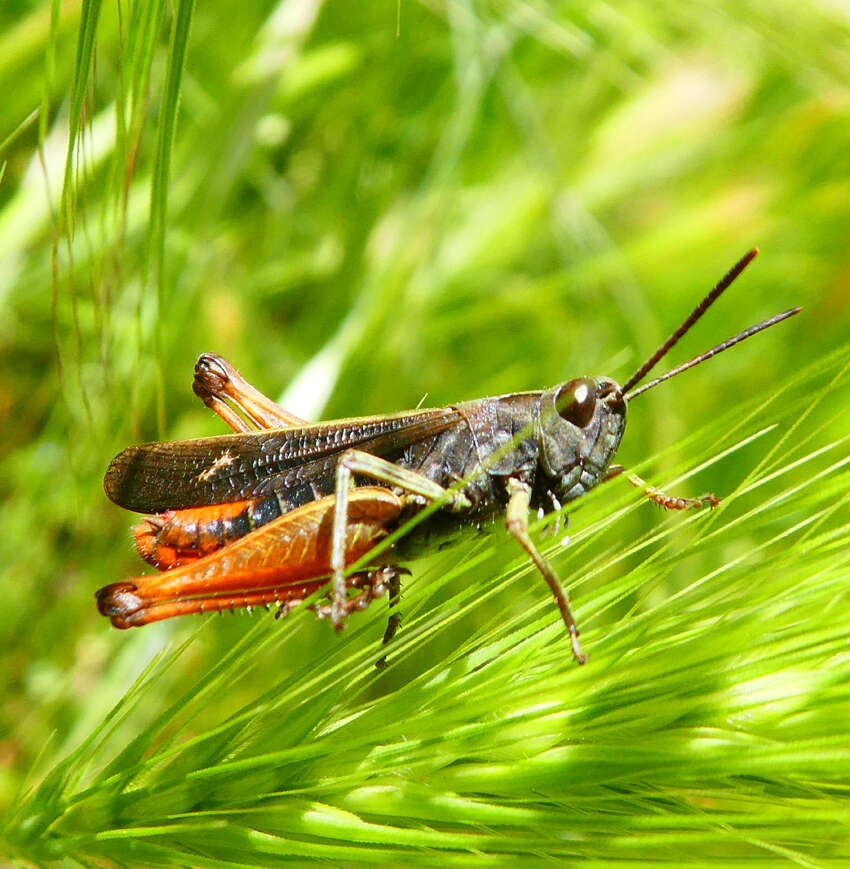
576, 401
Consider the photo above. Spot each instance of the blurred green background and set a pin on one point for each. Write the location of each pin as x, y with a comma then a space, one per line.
360, 205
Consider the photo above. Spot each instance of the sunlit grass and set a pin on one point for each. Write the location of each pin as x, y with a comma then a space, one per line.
495, 198
704, 721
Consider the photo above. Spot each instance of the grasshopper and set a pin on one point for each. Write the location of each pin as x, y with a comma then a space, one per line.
277, 511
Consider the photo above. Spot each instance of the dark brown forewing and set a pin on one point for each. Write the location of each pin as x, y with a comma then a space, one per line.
173, 475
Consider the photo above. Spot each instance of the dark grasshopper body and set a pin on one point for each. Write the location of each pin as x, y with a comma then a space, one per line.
554, 443
275, 515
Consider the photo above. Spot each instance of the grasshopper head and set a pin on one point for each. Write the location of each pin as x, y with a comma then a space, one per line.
580, 426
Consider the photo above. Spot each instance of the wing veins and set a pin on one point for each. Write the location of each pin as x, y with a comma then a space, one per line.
169, 475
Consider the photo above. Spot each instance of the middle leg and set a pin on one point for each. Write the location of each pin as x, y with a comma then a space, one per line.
419, 489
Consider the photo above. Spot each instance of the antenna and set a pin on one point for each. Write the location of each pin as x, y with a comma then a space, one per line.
741, 336
697, 312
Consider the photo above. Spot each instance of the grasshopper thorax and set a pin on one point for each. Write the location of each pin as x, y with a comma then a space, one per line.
579, 429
